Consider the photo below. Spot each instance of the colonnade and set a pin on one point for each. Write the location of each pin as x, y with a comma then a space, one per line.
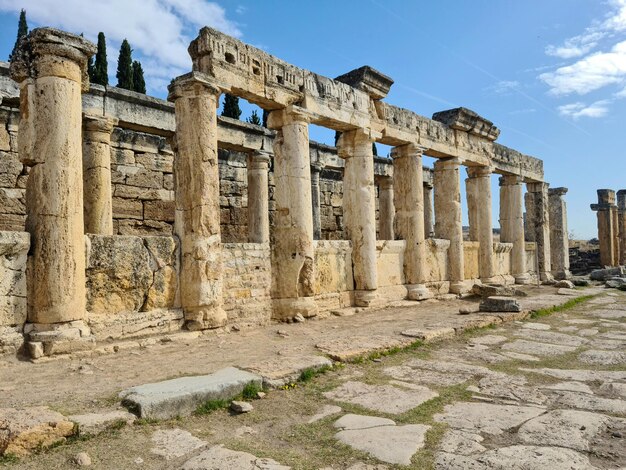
611, 226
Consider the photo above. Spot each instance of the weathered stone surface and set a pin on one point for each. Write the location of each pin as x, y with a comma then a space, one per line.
241, 406
486, 418
325, 411
570, 386
95, 423
461, 442
565, 284
535, 326
285, 369
429, 334
82, 459
614, 389
580, 374
552, 337
345, 349
219, 457
13, 255
180, 397
500, 304
520, 356
540, 349
353, 422
603, 274
384, 398
512, 387
585, 401
604, 358
174, 443
25, 431
488, 339
491, 290
429, 377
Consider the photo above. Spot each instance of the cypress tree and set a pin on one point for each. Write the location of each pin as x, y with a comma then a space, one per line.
101, 68
139, 84
124, 73
374, 149
231, 106
254, 118
22, 30
266, 114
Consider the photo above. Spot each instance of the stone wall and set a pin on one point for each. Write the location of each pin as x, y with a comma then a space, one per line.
470, 259
502, 262
13, 252
13, 174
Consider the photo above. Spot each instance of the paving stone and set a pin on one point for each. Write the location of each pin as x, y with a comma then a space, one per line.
173, 443
608, 314
568, 329
533, 347
599, 343
614, 389
361, 466
181, 397
584, 401
220, 458
326, 410
25, 431
603, 358
285, 369
445, 366
535, 326
517, 457
580, 321
345, 349
428, 377
552, 337
353, 422
429, 334
95, 423
614, 336
563, 428
570, 386
390, 444
520, 356
511, 387
488, 339
580, 374
384, 398
588, 332
567, 291
486, 417
460, 442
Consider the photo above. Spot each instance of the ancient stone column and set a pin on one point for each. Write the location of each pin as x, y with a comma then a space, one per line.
512, 224
316, 169
197, 186
428, 210
50, 68
448, 225
258, 197
386, 209
559, 240
538, 226
294, 251
359, 210
98, 211
606, 226
616, 232
479, 186
621, 223
409, 202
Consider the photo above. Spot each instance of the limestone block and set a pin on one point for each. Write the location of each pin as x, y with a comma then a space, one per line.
4, 138
390, 262
95, 423
13, 256
10, 169
499, 304
437, 259
145, 179
159, 210
127, 209
470, 259
333, 267
159, 162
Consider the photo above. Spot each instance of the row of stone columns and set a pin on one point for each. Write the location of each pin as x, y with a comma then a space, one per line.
611, 226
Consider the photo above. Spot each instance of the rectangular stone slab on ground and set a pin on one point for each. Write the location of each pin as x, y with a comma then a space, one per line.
182, 396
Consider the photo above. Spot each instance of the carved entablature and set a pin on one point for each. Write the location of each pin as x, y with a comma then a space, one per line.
509, 161
466, 120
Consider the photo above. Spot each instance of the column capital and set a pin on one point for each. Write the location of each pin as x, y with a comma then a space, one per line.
537, 186
407, 150
510, 180
258, 160
93, 124
45, 52
317, 167
479, 171
447, 163
361, 138
192, 84
385, 182
289, 115
557, 191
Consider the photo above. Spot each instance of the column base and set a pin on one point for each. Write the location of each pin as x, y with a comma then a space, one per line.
491, 280
287, 309
367, 298
57, 338
459, 287
546, 278
522, 279
205, 318
561, 275
418, 292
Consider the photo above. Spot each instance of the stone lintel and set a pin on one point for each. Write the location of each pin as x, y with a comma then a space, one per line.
602, 207
466, 120
557, 191
369, 80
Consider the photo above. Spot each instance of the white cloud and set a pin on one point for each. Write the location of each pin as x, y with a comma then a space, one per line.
590, 73
504, 87
621, 94
158, 30
578, 110
523, 111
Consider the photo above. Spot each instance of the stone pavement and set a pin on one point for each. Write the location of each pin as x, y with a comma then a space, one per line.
542, 393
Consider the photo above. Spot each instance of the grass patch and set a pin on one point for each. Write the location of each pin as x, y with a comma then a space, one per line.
8, 459
309, 374
210, 406
544, 312
251, 391
146, 421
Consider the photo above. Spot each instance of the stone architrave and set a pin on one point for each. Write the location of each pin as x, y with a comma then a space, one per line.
359, 209
386, 207
512, 224
316, 169
607, 237
258, 197
559, 240
478, 187
538, 226
428, 210
197, 186
448, 225
98, 210
293, 253
409, 202
621, 223
50, 67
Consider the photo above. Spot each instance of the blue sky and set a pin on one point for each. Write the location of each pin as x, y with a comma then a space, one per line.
551, 74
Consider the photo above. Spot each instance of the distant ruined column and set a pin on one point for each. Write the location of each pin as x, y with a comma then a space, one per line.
316, 169
559, 240
258, 197
512, 224
448, 222
50, 67
359, 209
386, 208
607, 235
197, 185
621, 222
98, 202
428, 210
538, 226
409, 202
478, 187
293, 253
